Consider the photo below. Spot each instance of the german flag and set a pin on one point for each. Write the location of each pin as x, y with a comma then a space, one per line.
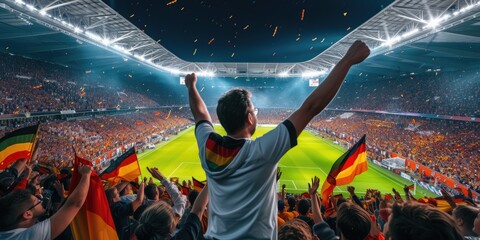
197, 185
94, 220
350, 164
17, 145
124, 167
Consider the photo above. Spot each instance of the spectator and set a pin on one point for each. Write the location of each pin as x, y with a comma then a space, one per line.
422, 222
353, 222
121, 211
241, 172
159, 221
21, 211
464, 217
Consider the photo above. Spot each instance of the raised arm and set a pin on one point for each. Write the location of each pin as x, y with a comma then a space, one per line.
199, 109
323, 94
179, 201
139, 200
312, 190
200, 203
64, 216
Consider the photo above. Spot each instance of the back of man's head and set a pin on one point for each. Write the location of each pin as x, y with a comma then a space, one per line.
303, 206
422, 222
232, 109
353, 222
151, 191
465, 216
12, 206
295, 229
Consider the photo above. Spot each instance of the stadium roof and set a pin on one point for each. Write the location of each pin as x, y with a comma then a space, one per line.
407, 36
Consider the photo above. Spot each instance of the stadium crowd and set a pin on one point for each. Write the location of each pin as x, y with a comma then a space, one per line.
448, 147
32, 86
444, 93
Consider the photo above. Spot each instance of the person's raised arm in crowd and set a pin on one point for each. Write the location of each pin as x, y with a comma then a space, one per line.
321, 228
140, 195
199, 109
354, 196
64, 216
200, 203
323, 94
179, 201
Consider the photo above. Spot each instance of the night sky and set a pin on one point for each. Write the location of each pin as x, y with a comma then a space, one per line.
247, 31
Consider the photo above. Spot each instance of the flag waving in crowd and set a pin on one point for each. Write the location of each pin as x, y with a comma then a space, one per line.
350, 164
124, 167
94, 220
17, 145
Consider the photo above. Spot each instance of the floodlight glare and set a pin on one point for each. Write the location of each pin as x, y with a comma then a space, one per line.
206, 74
42, 12
309, 74
283, 74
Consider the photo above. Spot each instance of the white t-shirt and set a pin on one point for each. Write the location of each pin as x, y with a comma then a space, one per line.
39, 231
241, 177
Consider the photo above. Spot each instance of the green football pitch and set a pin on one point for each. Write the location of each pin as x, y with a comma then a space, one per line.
313, 156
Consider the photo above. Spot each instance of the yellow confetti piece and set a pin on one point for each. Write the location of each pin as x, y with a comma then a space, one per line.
345, 14
194, 52
233, 54
303, 14
172, 2
314, 39
133, 15
245, 28
275, 31
211, 40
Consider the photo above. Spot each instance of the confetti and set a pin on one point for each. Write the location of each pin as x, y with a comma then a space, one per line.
133, 15
274, 54
233, 54
245, 28
211, 40
348, 29
172, 2
194, 52
182, 8
298, 38
323, 39
314, 39
345, 14
130, 75
231, 16
195, 40
303, 14
159, 40
275, 31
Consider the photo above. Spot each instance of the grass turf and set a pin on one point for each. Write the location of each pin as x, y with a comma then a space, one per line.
313, 156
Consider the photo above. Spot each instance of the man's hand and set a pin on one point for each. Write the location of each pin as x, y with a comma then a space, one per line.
85, 170
357, 52
190, 80
155, 173
312, 188
351, 190
279, 174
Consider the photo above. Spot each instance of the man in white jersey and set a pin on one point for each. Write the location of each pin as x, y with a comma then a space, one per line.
240, 171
